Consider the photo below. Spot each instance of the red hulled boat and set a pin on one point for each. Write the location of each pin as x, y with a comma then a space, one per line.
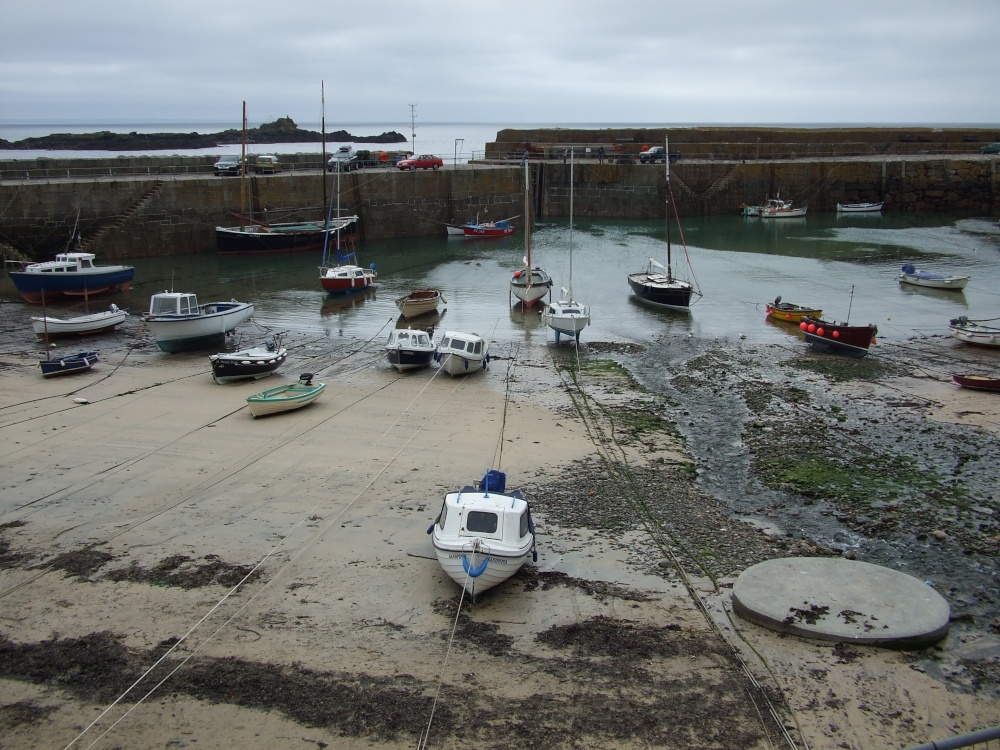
838, 338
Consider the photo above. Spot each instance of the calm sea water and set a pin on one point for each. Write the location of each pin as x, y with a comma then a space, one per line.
847, 265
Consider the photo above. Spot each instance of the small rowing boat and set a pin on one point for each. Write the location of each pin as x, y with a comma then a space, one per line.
286, 397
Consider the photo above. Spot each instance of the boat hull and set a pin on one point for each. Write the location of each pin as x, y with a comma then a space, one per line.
499, 566
567, 318
655, 289
850, 341
402, 359
73, 363
255, 364
79, 326
282, 238
473, 230
977, 382
530, 286
346, 279
461, 364
177, 333
789, 313
859, 208
283, 398
976, 334
419, 303
31, 286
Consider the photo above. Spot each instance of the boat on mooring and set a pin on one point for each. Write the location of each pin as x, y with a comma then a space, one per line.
179, 323
71, 274
530, 283
460, 353
252, 363
859, 208
975, 332
68, 364
911, 275
483, 534
409, 349
838, 338
978, 382
288, 397
786, 312
80, 325
656, 284
566, 315
420, 302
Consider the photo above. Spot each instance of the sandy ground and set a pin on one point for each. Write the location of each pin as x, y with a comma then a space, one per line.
174, 573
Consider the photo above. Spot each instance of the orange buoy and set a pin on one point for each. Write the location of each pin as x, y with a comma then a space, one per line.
803, 326
812, 328
836, 334
820, 331
874, 341
788, 316
383, 157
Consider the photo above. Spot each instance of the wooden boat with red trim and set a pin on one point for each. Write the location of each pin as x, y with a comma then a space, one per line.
786, 312
838, 338
978, 382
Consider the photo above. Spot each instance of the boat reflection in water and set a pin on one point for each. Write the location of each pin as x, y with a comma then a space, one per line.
337, 304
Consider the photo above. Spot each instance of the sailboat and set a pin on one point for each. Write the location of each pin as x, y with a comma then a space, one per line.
344, 277
656, 284
567, 315
256, 236
531, 283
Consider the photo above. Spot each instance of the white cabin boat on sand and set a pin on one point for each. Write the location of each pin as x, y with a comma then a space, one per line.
178, 322
461, 353
483, 534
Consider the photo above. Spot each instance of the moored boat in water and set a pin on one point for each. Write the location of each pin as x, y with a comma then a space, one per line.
911, 275
71, 274
786, 312
859, 208
420, 302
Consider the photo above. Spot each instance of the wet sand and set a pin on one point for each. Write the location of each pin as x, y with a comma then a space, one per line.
176, 573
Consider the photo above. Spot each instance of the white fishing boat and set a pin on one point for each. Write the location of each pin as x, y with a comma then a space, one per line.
409, 349
859, 208
911, 275
80, 325
461, 353
976, 332
483, 534
566, 315
779, 209
530, 283
286, 397
178, 322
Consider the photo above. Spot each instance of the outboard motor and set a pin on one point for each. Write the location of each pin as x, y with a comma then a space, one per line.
306, 378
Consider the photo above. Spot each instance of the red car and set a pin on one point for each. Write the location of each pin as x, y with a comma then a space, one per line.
424, 161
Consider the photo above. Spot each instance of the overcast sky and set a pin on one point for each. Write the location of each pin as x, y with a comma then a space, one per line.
519, 61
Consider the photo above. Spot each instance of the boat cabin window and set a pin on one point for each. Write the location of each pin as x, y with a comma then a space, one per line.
423, 339
481, 522
404, 337
443, 515
445, 342
525, 528
475, 346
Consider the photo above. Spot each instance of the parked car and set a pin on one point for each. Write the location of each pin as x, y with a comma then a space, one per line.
341, 159
990, 148
658, 153
267, 163
229, 164
424, 161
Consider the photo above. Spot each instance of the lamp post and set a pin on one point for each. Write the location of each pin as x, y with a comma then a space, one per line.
457, 141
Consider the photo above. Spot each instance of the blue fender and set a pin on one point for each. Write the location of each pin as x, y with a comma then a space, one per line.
474, 573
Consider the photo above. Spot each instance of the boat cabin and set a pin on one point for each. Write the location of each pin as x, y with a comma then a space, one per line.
462, 343
406, 338
64, 263
475, 515
174, 303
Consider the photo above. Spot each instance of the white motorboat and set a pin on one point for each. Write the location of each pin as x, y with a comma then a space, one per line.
530, 283
566, 315
178, 322
409, 349
931, 280
256, 362
80, 325
779, 209
461, 353
483, 534
859, 208
975, 332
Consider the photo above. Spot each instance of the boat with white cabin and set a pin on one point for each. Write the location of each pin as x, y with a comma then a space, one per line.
483, 534
460, 353
71, 274
179, 323
409, 349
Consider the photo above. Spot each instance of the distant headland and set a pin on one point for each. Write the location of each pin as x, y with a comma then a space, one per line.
282, 130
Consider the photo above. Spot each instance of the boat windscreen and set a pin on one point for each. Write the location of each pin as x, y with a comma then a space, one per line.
481, 522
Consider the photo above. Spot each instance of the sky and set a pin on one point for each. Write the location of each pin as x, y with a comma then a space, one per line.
519, 61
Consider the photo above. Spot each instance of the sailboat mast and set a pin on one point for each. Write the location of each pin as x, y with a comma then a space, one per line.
322, 161
243, 169
527, 218
571, 225
666, 162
